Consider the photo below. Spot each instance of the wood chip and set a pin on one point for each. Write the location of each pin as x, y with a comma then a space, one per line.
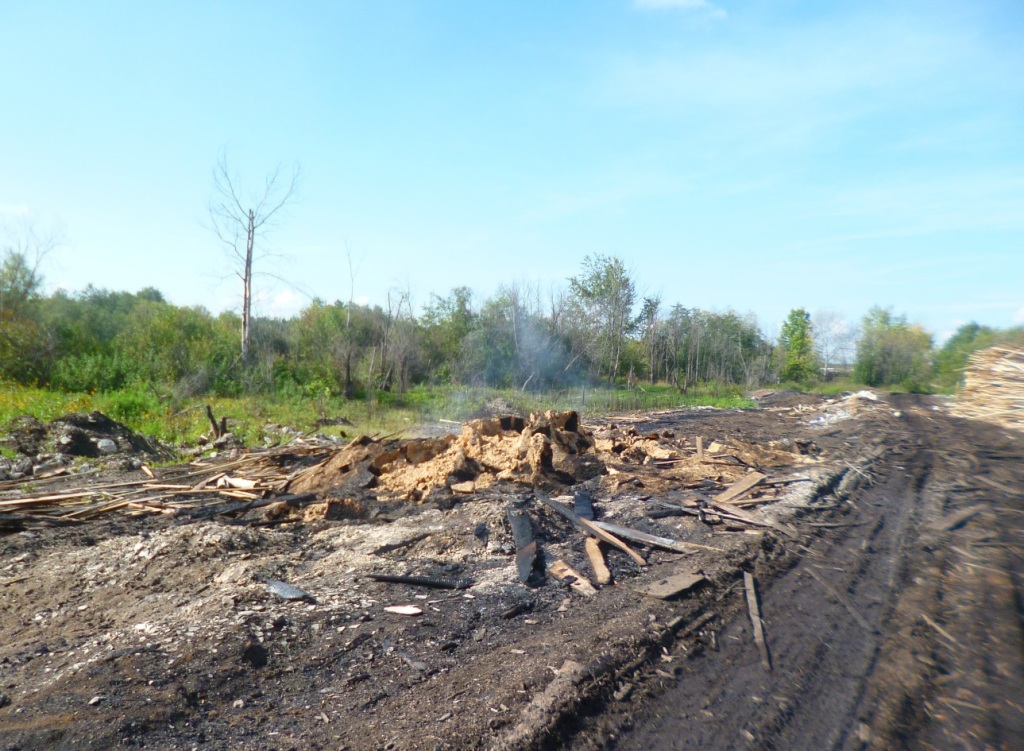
564, 572
404, 610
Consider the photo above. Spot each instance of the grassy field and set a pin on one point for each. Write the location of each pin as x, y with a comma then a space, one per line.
384, 413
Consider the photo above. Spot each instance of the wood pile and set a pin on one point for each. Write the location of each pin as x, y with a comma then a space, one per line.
993, 387
200, 489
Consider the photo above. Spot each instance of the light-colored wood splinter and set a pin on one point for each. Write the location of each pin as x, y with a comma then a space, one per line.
577, 581
755, 620
597, 564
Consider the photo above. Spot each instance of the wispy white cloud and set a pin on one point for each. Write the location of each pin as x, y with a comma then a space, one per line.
674, 4
1018, 318
285, 303
693, 5
789, 87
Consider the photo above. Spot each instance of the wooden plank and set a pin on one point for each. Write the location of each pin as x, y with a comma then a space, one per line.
672, 586
591, 528
667, 543
596, 557
700, 448
741, 487
737, 514
564, 572
526, 546
755, 620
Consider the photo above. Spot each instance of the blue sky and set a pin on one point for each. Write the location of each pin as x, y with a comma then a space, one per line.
753, 155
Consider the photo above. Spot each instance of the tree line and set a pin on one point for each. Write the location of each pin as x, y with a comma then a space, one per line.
597, 329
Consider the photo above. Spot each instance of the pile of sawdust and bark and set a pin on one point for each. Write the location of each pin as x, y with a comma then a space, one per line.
545, 449
548, 450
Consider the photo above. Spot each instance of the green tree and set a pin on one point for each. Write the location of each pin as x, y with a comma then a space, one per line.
890, 352
446, 322
602, 300
25, 349
951, 359
797, 346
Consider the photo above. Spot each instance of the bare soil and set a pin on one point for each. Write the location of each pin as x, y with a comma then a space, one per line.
889, 577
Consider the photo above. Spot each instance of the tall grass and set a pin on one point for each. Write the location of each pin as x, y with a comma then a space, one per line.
454, 403
382, 413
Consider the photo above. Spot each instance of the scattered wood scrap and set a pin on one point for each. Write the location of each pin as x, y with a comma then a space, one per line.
741, 487
526, 546
595, 556
755, 620
591, 528
179, 491
576, 581
667, 543
999, 486
672, 586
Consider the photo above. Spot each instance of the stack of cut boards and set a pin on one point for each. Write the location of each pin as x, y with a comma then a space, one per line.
993, 387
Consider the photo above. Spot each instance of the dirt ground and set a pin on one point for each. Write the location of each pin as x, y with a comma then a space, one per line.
885, 541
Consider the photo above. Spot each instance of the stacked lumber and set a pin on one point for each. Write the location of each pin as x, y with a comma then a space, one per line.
993, 387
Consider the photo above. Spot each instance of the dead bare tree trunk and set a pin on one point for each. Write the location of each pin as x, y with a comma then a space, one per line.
247, 287
235, 214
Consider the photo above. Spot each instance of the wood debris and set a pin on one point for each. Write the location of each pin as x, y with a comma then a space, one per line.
672, 586
740, 488
993, 387
957, 519
597, 563
667, 543
577, 582
591, 528
755, 620
404, 610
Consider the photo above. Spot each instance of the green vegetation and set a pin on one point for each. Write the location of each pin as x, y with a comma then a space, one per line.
892, 352
950, 360
386, 413
594, 346
797, 346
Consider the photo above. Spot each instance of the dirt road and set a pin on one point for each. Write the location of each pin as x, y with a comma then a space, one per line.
888, 560
924, 648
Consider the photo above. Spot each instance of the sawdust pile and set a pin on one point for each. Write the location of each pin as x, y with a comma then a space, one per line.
545, 449
549, 450
994, 387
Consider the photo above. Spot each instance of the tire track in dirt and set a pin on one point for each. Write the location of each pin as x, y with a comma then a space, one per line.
952, 672
914, 682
